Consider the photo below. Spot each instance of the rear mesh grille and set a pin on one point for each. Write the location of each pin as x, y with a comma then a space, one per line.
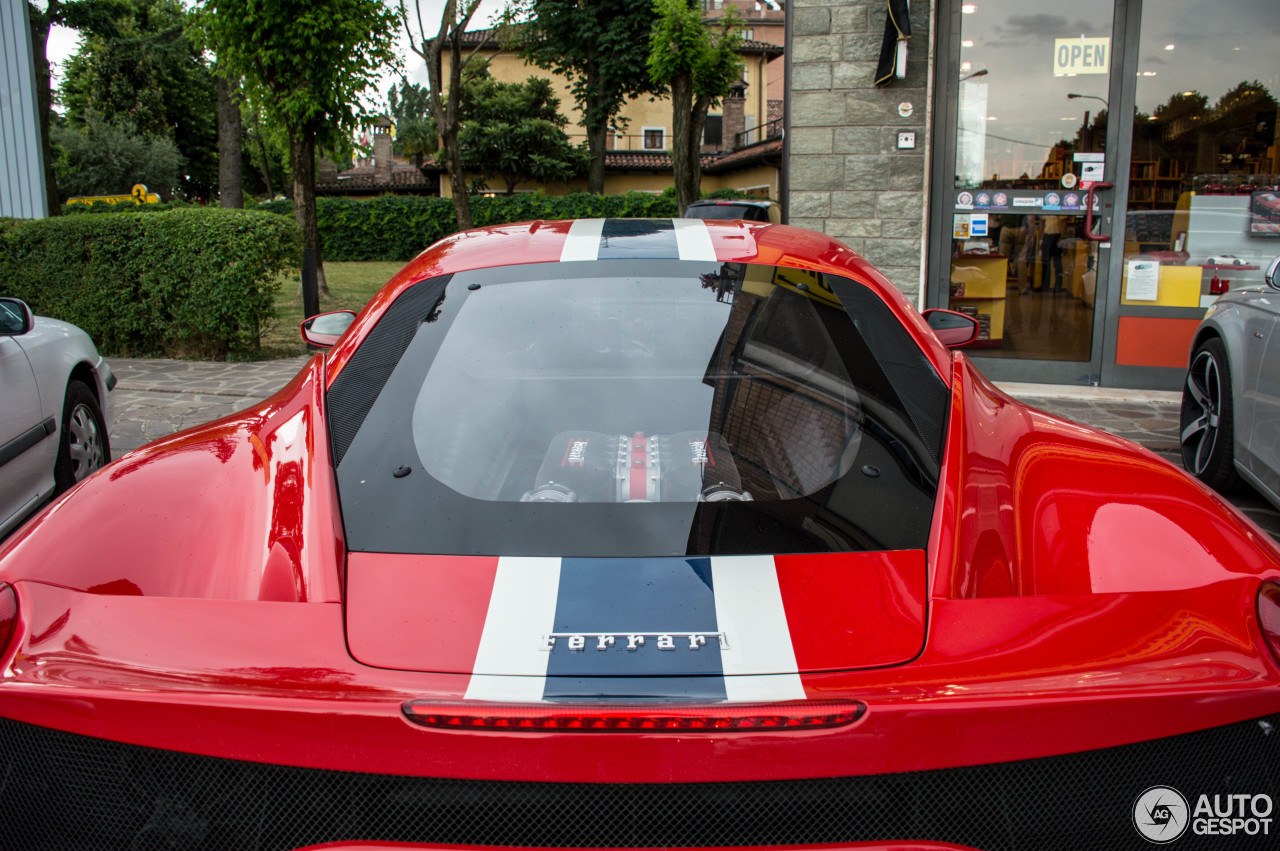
64, 791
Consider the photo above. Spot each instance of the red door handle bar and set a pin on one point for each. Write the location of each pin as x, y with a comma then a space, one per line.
1088, 212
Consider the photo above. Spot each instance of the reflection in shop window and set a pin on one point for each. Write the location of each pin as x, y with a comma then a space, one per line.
1205, 158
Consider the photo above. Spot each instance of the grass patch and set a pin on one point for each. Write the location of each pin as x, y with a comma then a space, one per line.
351, 284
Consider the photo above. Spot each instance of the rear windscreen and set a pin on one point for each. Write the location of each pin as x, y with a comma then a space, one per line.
624, 408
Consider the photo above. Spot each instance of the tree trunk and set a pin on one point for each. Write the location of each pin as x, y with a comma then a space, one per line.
265, 164
444, 102
684, 150
697, 122
230, 143
302, 164
40, 23
597, 133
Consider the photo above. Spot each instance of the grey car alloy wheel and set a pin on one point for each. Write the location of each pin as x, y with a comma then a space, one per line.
1206, 422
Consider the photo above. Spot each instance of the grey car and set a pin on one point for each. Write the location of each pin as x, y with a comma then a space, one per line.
56, 393
1230, 424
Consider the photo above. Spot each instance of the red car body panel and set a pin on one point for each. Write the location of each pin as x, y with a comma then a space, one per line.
243, 508
223, 668
1077, 593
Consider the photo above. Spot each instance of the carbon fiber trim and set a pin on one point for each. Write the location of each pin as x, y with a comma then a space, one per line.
362, 379
64, 791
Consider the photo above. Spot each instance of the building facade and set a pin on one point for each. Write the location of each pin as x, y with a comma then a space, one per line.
989, 178
742, 149
22, 178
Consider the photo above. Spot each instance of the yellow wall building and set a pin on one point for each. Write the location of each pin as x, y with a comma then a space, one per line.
742, 149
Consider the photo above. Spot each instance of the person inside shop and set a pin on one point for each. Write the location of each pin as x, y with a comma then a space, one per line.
1051, 255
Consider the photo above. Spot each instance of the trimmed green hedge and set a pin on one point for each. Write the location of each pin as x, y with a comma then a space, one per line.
398, 227
127, 207
195, 282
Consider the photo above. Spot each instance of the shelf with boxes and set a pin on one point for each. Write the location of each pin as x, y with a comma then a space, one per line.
978, 289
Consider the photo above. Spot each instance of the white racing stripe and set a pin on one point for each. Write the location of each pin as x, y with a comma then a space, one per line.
693, 239
509, 666
760, 664
583, 241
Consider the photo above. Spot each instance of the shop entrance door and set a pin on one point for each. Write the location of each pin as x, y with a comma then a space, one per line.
1022, 205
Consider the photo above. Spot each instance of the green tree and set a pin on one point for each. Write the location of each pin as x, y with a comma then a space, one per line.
596, 44
102, 157
697, 66
410, 108
515, 132
310, 62
444, 108
85, 15
137, 62
417, 138
268, 151
408, 101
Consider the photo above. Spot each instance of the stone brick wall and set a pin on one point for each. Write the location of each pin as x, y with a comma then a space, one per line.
847, 177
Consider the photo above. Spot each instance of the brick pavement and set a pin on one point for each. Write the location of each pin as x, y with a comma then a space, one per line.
157, 397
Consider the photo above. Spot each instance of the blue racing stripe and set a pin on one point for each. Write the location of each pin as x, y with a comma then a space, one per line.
650, 239
626, 628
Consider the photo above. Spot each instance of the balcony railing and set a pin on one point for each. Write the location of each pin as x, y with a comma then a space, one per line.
624, 142
759, 133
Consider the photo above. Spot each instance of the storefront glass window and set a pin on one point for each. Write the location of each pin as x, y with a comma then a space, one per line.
1031, 130
1204, 190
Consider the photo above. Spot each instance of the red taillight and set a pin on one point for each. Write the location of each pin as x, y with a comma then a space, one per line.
8, 615
634, 718
1269, 615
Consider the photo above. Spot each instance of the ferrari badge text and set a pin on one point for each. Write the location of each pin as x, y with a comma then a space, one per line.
632, 641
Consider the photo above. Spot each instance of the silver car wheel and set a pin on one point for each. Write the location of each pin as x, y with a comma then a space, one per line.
1206, 425
85, 442
1204, 387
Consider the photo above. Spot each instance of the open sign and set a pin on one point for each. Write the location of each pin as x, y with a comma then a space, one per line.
1081, 56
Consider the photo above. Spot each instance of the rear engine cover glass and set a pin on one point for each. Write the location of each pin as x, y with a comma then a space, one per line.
633, 409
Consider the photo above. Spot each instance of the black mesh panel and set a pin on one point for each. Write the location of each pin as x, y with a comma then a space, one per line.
64, 791
361, 380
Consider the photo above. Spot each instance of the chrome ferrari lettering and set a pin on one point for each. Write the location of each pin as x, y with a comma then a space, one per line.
634, 640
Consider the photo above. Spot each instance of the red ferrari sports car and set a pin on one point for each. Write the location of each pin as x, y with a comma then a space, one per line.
639, 534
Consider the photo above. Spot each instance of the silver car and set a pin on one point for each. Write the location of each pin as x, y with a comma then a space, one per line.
1230, 423
55, 403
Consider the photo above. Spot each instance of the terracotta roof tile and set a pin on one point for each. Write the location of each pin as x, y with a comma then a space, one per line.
488, 37
745, 156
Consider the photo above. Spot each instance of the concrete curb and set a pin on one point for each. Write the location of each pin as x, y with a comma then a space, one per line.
1089, 394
